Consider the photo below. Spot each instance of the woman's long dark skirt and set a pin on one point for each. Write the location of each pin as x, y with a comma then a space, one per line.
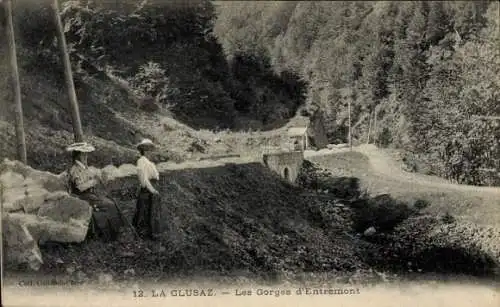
106, 222
147, 215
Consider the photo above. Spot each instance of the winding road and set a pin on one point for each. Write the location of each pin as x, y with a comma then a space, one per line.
384, 164
478, 204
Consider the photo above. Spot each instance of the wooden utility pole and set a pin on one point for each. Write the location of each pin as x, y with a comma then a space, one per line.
73, 102
19, 122
2, 258
369, 128
2, 194
375, 125
350, 126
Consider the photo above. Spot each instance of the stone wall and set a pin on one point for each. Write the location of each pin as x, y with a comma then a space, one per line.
285, 164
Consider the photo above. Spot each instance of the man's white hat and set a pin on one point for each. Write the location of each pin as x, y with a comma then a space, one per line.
146, 143
81, 147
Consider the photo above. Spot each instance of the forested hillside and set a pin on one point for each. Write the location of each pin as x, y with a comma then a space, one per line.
135, 63
416, 73
168, 54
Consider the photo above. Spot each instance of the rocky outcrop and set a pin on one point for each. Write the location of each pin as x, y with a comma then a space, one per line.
19, 245
36, 209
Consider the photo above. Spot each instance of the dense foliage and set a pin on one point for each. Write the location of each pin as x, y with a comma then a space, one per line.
165, 51
416, 73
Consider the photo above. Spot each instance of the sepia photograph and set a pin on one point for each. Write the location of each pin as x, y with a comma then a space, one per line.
253, 153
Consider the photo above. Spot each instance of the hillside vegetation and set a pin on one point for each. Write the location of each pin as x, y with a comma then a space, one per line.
416, 73
150, 69
216, 225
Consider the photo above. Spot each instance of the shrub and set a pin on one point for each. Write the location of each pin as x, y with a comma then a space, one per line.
382, 212
421, 204
152, 81
314, 178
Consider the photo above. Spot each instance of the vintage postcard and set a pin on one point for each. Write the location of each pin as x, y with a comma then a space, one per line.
250, 153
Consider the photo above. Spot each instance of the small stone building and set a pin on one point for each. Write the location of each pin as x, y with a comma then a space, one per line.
308, 133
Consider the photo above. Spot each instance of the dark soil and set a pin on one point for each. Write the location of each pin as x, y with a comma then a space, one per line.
232, 220
243, 221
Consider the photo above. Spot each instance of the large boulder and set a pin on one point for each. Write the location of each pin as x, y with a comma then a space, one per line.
24, 188
11, 179
37, 209
31, 177
54, 216
11, 190
19, 245
62, 207
44, 228
32, 199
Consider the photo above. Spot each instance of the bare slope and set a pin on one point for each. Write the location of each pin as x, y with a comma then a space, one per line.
233, 219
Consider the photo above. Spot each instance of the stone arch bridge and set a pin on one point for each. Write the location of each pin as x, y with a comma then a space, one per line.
285, 164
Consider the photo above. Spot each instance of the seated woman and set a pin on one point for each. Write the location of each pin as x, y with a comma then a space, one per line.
106, 221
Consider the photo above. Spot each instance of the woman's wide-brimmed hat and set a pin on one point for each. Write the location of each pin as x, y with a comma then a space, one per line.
145, 144
80, 147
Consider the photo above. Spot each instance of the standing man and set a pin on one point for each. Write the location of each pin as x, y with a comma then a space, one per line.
147, 216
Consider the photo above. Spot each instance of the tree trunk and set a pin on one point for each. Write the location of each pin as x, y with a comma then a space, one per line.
19, 122
73, 103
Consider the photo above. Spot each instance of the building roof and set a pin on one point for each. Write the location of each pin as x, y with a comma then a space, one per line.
297, 131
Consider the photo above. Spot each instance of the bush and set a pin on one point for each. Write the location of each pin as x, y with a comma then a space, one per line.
382, 212
442, 244
152, 81
421, 204
314, 178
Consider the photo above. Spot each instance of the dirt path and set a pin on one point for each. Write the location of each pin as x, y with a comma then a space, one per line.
383, 164
381, 173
